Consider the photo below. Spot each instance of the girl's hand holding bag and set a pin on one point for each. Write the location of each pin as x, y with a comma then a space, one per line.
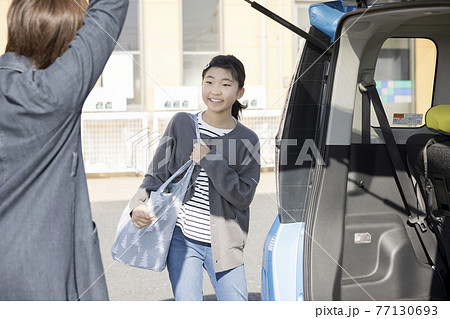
147, 247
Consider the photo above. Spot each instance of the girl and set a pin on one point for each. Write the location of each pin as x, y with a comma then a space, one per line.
56, 51
213, 223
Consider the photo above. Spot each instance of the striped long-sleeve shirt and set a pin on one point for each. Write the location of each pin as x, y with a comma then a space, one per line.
193, 218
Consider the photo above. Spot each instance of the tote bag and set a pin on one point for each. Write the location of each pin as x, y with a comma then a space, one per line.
147, 247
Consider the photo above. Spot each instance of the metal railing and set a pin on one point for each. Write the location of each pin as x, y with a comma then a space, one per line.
119, 142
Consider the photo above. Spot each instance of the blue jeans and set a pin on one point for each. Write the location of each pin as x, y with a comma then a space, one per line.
185, 264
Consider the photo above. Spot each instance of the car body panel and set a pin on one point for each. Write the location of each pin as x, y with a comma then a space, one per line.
357, 244
282, 274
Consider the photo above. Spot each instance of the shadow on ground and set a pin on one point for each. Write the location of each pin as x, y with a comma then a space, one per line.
253, 296
129, 283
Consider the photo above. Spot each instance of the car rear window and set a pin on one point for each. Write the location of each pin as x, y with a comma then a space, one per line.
404, 77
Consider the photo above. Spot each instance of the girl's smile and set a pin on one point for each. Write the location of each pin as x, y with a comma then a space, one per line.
220, 91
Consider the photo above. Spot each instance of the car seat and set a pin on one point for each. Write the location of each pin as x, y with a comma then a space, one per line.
429, 161
428, 157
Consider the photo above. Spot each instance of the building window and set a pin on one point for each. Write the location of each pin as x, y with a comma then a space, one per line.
201, 40
123, 72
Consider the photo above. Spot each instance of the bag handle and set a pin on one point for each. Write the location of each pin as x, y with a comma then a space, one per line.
197, 130
188, 163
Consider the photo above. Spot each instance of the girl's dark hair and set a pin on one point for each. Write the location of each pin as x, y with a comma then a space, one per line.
41, 30
237, 70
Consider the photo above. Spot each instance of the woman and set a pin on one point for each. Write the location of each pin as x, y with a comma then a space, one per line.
49, 247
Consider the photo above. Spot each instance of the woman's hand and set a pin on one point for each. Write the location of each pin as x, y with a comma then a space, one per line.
199, 151
141, 217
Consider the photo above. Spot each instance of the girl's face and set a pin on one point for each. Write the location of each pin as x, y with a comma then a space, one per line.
220, 90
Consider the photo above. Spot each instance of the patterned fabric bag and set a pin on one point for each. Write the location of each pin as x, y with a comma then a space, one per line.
147, 247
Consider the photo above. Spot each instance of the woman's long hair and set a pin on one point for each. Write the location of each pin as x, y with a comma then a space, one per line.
41, 30
237, 70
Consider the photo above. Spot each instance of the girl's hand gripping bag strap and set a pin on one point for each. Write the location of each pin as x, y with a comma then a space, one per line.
147, 247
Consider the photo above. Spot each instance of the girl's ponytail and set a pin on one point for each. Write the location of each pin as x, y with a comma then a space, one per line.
237, 109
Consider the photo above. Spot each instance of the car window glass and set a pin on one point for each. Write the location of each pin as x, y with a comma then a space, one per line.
404, 77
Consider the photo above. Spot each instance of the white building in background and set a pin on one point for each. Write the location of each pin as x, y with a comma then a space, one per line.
155, 70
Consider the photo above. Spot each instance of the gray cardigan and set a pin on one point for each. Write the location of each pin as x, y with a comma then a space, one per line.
233, 171
49, 248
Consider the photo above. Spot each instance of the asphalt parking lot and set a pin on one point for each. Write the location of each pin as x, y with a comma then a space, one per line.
109, 196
